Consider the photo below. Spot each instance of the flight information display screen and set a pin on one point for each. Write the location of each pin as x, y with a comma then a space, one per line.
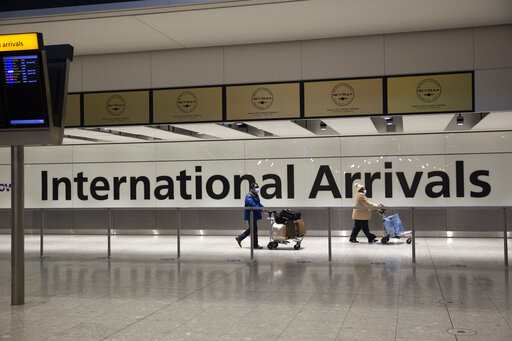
23, 93
21, 69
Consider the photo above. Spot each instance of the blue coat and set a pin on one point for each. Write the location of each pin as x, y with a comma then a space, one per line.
252, 200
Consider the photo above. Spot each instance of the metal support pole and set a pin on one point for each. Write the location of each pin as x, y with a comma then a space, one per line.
329, 233
505, 236
109, 234
413, 239
41, 236
178, 241
17, 232
251, 230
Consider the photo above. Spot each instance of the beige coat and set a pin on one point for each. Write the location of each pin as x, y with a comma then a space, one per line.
362, 201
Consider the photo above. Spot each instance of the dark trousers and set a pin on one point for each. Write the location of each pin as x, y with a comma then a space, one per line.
361, 225
248, 232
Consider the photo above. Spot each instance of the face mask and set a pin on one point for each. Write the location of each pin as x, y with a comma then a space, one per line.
256, 190
364, 192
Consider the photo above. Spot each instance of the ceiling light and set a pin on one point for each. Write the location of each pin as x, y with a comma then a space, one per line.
389, 121
323, 126
460, 120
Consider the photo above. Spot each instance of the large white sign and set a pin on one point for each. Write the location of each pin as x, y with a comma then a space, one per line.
406, 180
468, 169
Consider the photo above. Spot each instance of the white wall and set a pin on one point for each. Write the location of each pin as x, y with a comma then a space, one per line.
487, 50
410, 155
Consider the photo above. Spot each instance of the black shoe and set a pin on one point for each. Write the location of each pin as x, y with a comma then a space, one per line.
353, 241
373, 240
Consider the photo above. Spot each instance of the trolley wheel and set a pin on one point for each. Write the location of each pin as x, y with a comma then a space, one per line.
270, 245
276, 244
409, 240
384, 239
296, 246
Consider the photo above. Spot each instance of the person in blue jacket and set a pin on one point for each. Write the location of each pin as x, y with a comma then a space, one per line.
252, 200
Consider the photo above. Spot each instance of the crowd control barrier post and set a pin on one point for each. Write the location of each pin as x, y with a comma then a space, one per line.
17, 232
41, 236
178, 241
505, 236
413, 238
109, 232
251, 231
329, 233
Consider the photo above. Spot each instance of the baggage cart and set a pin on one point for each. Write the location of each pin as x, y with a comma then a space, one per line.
286, 227
393, 227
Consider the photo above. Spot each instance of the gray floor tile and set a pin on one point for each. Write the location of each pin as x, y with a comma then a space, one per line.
368, 292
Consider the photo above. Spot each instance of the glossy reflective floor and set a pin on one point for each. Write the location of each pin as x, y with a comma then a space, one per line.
214, 292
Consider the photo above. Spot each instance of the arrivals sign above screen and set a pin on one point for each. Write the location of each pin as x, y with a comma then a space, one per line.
430, 93
24, 97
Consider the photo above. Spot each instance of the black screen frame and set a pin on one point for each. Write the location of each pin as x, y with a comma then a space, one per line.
43, 92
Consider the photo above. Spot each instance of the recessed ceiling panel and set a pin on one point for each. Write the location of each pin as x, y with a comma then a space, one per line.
100, 136
281, 128
214, 129
153, 132
300, 20
67, 140
495, 121
351, 125
425, 123
96, 36
246, 22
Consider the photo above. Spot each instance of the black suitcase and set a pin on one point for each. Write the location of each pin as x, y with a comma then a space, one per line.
289, 215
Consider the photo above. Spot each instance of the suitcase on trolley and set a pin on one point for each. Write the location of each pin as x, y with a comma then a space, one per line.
393, 227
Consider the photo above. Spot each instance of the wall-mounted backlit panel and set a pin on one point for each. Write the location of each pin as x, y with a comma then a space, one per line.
262, 101
430, 93
343, 97
116, 108
187, 105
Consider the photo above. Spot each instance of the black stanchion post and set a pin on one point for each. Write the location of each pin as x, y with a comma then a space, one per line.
329, 233
505, 236
41, 236
178, 240
109, 233
251, 230
413, 239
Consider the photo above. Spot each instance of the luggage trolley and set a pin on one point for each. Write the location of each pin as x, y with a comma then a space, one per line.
285, 226
393, 227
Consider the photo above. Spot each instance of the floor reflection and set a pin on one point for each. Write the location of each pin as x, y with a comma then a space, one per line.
144, 292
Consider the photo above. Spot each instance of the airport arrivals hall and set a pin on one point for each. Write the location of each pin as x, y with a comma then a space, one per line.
255, 170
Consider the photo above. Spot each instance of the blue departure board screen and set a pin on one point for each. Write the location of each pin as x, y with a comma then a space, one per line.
21, 69
23, 91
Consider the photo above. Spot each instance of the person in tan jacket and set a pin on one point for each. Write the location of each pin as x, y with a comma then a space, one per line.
361, 215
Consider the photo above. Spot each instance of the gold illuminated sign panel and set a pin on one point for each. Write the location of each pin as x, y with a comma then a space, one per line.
18, 42
187, 105
263, 101
343, 97
430, 93
116, 108
73, 110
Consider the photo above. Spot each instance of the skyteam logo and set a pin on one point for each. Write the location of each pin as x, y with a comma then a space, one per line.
342, 94
428, 90
116, 105
187, 102
262, 98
